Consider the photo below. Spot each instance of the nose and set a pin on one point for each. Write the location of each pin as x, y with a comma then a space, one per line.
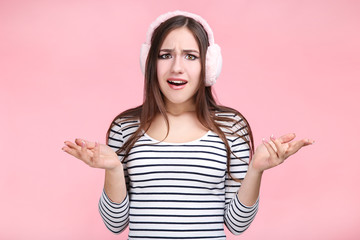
177, 65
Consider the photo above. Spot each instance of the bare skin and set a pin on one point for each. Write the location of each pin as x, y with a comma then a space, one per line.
186, 122
267, 155
180, 60
101, 156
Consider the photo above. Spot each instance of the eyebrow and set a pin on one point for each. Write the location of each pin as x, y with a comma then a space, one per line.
184, 51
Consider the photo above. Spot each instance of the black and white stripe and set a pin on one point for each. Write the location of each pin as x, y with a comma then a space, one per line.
179, 191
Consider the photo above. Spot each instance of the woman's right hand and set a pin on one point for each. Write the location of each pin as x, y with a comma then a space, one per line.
93, 154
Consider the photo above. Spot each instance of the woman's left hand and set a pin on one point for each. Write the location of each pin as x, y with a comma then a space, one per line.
270, 154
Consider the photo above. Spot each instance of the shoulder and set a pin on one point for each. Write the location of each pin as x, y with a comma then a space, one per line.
231, 122
120, 131
127, 119
125, 125
125, 122
228, 116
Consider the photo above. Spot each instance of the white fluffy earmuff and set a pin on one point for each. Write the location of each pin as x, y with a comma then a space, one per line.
213, 55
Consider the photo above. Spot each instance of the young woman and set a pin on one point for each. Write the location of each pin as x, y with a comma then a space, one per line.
175, 164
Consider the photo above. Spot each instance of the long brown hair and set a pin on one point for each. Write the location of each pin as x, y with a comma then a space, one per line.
206, 106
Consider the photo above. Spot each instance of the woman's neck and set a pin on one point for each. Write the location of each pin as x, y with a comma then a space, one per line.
178, 109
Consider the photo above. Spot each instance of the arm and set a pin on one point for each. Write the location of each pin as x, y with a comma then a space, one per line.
242, 209
238, 215
115, 185
267, 155
114, 202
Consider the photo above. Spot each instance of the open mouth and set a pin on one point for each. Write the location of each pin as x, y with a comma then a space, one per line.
177, 82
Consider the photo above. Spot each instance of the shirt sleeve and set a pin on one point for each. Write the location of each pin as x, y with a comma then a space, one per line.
115, 215
238, 217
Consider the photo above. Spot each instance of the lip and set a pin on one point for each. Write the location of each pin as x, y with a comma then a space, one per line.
176, 79
174, 86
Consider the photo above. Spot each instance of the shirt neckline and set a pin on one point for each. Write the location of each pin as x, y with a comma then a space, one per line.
179, 143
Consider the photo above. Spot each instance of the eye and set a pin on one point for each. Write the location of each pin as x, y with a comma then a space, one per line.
191, 57
165, 56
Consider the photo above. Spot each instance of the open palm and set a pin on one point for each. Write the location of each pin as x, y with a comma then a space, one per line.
93, 154
270, 154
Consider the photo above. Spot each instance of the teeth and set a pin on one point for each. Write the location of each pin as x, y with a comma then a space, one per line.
177, 82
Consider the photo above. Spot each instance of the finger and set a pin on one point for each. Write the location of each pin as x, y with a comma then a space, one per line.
272, 145
79, 152
71, 151
287, 137
279, 148
309, 141
72, 145
75, 152
89, 145
84, 151
96, 155
297, 145
270, 149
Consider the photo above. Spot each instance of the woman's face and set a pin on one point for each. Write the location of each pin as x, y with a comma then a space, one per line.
179, 67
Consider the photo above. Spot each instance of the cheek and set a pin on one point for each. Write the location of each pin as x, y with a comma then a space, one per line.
195, 70
161, 67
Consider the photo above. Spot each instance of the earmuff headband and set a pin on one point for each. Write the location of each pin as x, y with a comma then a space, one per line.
213, 55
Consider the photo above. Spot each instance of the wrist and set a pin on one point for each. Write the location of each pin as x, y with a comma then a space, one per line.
115, 170
254, 170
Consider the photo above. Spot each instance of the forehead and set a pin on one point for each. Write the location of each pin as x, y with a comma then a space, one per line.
182, 38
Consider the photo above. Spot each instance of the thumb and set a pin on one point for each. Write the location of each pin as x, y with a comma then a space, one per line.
287, 137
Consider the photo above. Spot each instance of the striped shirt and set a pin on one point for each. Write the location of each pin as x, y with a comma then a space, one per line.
179, 190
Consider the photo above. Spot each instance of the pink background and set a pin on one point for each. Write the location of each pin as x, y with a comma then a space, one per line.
68, 67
